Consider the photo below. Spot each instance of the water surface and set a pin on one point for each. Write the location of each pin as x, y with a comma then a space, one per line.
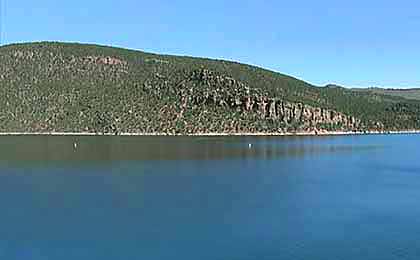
352, 197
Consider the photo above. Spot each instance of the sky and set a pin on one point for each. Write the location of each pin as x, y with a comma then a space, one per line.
370, 43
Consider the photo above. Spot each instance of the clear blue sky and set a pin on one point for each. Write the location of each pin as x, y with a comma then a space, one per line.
352, 43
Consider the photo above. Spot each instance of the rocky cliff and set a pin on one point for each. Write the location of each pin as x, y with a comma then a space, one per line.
205, 88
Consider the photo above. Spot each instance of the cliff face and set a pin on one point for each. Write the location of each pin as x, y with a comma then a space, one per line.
203, 88
306, 116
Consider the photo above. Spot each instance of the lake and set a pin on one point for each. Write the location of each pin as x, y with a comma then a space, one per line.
343, 197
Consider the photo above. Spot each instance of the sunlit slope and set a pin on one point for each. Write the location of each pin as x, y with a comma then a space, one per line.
61, 87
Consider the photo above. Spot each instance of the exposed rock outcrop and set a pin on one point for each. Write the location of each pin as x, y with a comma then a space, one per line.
203, 87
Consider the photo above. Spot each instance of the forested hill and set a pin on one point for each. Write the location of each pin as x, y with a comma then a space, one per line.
61, 87
411, 93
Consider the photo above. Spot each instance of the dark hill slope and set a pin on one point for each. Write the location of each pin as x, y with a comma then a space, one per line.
57, 87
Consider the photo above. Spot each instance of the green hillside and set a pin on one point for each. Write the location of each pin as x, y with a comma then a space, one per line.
413, 93
61, 87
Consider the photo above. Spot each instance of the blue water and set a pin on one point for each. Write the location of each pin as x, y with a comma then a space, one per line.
354, 197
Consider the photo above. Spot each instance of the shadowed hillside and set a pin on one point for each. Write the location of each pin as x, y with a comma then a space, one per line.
57, 87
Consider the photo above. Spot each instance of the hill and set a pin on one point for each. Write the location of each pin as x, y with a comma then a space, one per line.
413, 93
62, 87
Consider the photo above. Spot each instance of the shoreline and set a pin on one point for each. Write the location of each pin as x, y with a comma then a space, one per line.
312, 133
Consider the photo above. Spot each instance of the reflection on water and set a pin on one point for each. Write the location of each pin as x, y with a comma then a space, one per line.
111, 148
154, 198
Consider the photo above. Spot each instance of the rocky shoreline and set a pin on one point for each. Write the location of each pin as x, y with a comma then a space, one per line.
312, 133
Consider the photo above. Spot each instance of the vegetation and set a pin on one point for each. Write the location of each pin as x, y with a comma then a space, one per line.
413, 93
57, 87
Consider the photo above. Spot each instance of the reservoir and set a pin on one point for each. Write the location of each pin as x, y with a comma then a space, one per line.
108, 198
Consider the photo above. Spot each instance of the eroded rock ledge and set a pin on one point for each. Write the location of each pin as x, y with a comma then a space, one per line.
203, 88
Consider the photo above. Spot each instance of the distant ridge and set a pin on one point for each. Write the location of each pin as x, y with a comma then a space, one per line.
408, 93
